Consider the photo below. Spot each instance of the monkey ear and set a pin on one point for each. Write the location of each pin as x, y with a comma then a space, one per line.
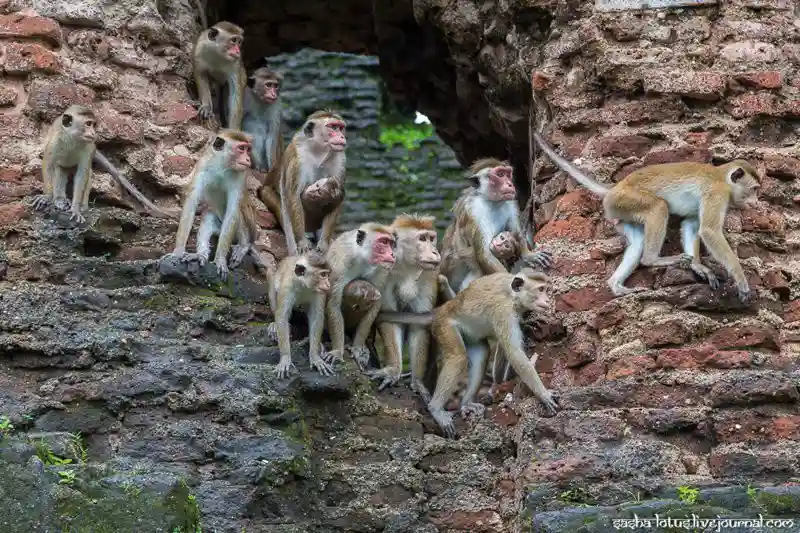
219, 142
66, 120
251, 82
737, 174
475, 182
360, 237
212, 33
299, 269
308, 130
517, 283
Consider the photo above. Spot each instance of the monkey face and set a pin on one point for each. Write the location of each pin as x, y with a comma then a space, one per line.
232, 46
239, 158
530, 293
428, 257
382, 250
321, 281
79, 126
269, 90
334, 135
744, 189
500, 186
504, 245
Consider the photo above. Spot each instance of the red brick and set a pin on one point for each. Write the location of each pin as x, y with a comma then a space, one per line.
583, 299
12, 214
24, 58
623, 146
575, 229
752, 104
588, 374
691, 357
782, 166
626, 169
650, 110
504, 417
179, 113
786, 427
570, 267
265, 219
698, 138
746, 336
609, 315
630, 366
749, 426
679, 155
770, 79
728, 359
540, 80
775, 281
670, 331
8, 96
19, 26
51, 98
699, 85
579, 202
121, 128
791, 312
582, 348
763, 221
178, 164
10, 174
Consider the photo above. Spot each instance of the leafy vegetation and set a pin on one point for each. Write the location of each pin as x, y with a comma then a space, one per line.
688, 494
6, 427
408, 135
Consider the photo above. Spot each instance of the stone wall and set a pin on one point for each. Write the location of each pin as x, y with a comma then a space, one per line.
382, 181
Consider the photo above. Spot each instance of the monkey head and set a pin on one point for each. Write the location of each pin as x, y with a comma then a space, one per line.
228, 37
79, 122
744, 184
234, 146
506, 245
529, 291
313, 273
326, 130
266, 84
416, 242
493, 179
377, 243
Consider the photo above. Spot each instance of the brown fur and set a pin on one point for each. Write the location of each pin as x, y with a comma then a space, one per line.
486, 163
213, 66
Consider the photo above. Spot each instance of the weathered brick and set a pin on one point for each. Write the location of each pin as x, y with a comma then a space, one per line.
579, 202
24, 58
12, 214
582, 348
540, 80
690, 357
609, 315
178, 164
750, 52
782, 167
179, 113
17, 26
737, 460
669, 331
50, 98
753, 388
698, 138
575, 228
8, 96
588, 374
630, 366
622, 146
791, 312
483, 521
745, 336
763, 221
583, 299
113, 126
625, 170
752, 104
754, 426
701, 85
667, 109
770, 79
775, 281
570, 267
138, 253
679, 155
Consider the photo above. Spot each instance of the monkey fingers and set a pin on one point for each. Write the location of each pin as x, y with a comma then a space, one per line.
77, 216
745, 294
550, 402
389, 375
201, 258
272, 332
238, 253
333, 356
40, 202
445, 421
622, 290
542, 259
472, 408
703, 272
205, 111
222, 268
284, 367
62, 204
320, 366
361, 355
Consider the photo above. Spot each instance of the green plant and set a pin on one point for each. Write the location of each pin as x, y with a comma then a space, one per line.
6, 427
408, 135
67, 477
577, 496
77, 447
688, 494
45, 453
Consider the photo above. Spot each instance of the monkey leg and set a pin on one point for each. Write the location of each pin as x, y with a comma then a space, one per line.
655, 231
690, 242
476, 355
633, 253
316, 319
418, 344
209, 227
390, 374
711, 234
60, 200
453, 364
270, 198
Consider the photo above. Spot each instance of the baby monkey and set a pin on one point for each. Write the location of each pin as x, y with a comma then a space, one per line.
300, 281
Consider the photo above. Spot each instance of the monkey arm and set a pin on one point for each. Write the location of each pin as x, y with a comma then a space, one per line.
712, 218
328, 225
204, 91
48, 172
282, 315
446, 292
236, 85
229, 223
187, 216
511, 343
289, 206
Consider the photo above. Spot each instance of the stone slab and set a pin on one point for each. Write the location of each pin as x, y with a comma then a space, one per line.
631, 5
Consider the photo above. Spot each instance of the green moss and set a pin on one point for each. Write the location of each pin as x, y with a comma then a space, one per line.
408, 135
778, 504
159, 302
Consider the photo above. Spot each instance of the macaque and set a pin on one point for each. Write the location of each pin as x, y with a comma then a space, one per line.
317, 152
641, 203
219, 180
506, 246
262, 117
486, 209
70, 143
488, 309
365, 253
218, 60
246, 235
412, 285
300, 281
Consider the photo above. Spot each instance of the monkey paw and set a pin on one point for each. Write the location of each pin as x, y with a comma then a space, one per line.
40, 202
205, 111
222, 269
389, 375
361, 355
619, 289
333, 356
272, 332
685, 261
705, 273
238, 254
445, 421
543, 260
745, 294
77, 216
199, 257
321, 366
422, 390
283, 368
62, 204
549, 400
472, 409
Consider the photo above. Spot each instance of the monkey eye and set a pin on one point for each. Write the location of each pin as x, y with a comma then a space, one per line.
323, 274
235, 40
90, 123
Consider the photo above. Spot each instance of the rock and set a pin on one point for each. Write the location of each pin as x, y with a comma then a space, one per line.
753, 388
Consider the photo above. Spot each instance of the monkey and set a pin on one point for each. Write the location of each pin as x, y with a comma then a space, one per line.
317, 152
489, 308
506, 246
70, 143
367, 253
482, 211
300, 281
262, 117
219, 180
640, 205
218, 57
412, 285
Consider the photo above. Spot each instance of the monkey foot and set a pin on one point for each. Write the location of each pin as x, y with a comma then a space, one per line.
703, 272
238, 254
334, 356
321, 366
200, 258
422, 390
622, 290
272, 332
62, 204
222, 269
361, 355
745, 294
543, 260
549, 400
78, 217
471, 408
445, 421
40, 202
389, 375
283, 368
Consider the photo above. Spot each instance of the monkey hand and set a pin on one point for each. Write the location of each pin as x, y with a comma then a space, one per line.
62, 204
205, 111
445, 421
418, 387
549, 400
40, 202
361, 355
284, 367
472, 409
333, 356
304, 246
320, 366
200, 257
272, 332
542, 259
77, 216
238, 254
389, 375
745, 294
222, 268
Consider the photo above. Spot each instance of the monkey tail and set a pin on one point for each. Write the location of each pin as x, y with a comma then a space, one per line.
569, 168
106, 165
419, 319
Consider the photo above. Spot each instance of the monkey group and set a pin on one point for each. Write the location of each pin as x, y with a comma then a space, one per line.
463, 298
